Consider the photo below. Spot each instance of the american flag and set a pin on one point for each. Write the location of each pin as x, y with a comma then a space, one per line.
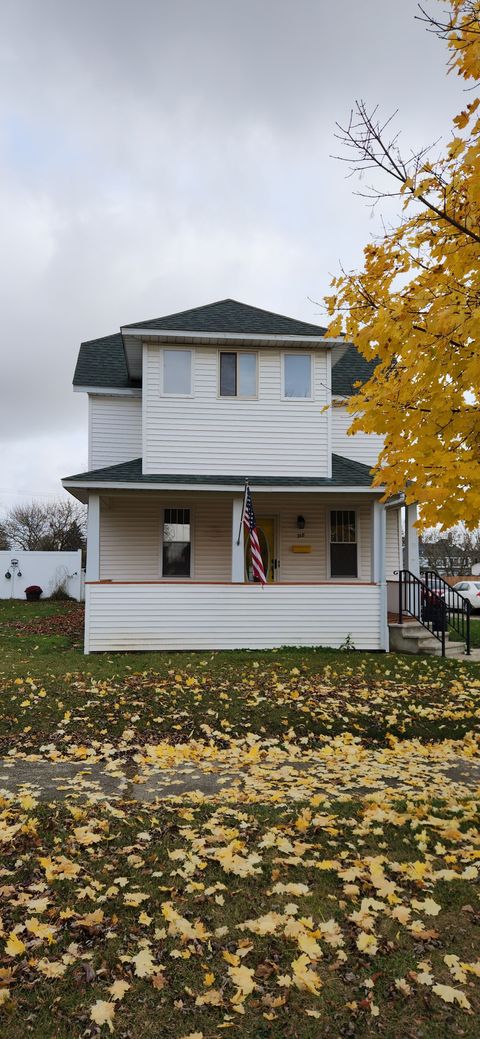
249, 521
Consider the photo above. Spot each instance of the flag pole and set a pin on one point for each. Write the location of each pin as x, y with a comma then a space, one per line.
243, 511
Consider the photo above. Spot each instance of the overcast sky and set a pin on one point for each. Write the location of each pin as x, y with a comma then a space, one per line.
156, 156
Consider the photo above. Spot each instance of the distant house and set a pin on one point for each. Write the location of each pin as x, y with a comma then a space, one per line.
182, 410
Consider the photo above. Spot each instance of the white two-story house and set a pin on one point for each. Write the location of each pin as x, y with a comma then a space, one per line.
182, 410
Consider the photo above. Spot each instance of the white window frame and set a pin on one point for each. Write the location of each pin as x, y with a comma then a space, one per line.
181, 349
169, 577
221, 396
328, 524
297, 353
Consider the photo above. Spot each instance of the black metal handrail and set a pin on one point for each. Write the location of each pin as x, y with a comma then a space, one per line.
423, 603
458, 607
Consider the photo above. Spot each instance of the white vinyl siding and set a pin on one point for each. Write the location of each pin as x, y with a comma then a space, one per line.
115, 430
130, 534
362, 447
313, 565
210, 434
202, 616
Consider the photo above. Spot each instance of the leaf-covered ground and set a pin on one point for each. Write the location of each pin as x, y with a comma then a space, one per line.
329, 889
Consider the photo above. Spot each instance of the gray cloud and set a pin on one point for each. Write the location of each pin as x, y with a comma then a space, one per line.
157, 155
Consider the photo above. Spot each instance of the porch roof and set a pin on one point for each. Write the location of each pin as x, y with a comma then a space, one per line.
345, 473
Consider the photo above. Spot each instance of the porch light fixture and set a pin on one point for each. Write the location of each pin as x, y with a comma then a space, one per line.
300, 523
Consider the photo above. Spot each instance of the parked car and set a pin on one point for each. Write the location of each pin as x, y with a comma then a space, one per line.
471, 591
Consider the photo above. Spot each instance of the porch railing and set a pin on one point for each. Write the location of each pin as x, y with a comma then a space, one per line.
458, 607
434, 604
417, 600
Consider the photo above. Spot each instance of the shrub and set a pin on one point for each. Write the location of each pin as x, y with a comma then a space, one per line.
59, 592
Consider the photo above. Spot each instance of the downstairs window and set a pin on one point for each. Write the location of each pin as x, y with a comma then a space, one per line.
177, 544
343, 543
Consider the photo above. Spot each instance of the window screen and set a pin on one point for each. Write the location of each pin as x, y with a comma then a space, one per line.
177, 371
176, 543
297, 375
343, 543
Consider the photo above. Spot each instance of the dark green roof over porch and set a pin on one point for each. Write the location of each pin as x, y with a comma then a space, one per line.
345, 473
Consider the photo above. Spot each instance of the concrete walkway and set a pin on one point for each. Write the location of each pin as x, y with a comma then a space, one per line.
293, 780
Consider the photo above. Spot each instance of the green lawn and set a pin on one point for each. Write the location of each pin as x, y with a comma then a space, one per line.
271, 911
341, 689
474, 633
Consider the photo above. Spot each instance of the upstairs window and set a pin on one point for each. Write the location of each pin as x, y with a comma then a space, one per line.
343, 543
238, 375
177, 372
177, 543
297, 376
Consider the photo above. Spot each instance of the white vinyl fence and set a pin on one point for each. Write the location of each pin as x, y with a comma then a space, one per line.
47, 569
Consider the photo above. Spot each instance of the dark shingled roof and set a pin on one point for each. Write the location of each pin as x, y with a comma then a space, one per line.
228, 315
351, 368
102, 362
345, 473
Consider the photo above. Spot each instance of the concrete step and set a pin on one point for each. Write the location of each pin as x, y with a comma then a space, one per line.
412, 637
418, 633
453, 650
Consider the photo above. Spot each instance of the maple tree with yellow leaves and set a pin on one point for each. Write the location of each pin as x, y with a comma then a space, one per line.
416, 304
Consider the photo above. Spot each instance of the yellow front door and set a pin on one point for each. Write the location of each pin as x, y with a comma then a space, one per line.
266, 537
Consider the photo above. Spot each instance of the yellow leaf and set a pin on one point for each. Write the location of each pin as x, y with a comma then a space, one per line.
144, 964
451, 995
91, 919
428, 906
303, 978
40, 930
242, 977
134, 898
230, 957
118, 989
367, 943
14, 945
102, 1013
210, 998
28, 802
51, 969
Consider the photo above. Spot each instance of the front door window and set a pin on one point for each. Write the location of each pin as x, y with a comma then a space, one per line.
266, 538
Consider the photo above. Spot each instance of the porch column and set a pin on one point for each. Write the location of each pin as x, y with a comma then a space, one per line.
93, 538
238, 558
379, 526
412, 558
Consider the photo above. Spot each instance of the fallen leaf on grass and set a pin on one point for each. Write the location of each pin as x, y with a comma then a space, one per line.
118, 989
304, 978
452, 995
144, 964
14, 946
102, 1013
